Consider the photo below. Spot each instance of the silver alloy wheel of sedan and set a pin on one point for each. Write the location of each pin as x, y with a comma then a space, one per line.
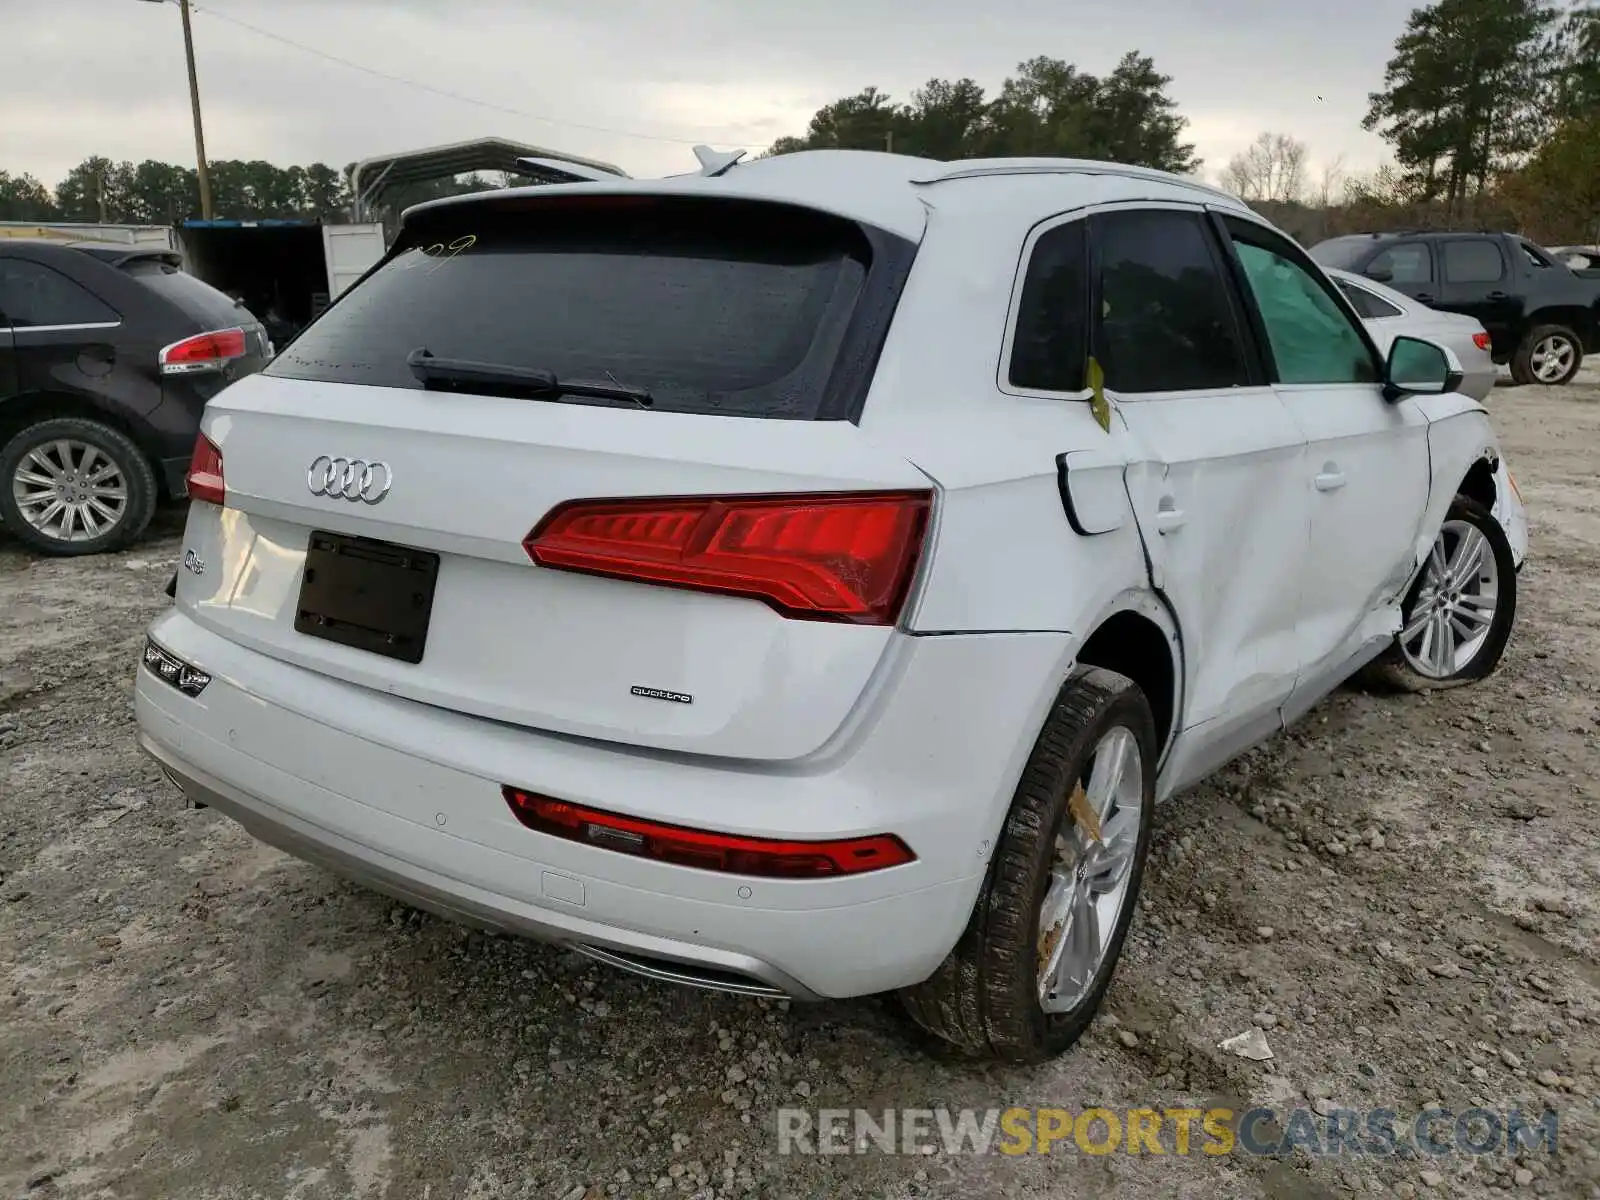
1455, 603
1552, 358
1095, 848
70, 491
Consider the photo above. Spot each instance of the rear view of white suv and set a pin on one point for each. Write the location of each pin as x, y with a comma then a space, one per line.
804, 578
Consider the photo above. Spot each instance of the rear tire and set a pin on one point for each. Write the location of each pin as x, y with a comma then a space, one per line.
1474, 609
1549, 355
998, 994
72, 486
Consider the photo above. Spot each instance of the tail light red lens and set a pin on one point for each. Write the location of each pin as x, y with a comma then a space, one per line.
205, 480
203, 352
1480, 340
832, 557
724, 852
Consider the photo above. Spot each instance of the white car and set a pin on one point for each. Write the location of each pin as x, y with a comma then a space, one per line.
1389, 313
1578, 258
804, 577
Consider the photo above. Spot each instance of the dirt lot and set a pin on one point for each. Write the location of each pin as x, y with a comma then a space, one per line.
1405, 892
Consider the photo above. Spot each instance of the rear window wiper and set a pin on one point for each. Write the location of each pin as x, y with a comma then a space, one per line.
455, 374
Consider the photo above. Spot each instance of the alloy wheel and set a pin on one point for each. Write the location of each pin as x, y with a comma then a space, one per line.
70, 491
1552, 358
1455, 603
1095, 848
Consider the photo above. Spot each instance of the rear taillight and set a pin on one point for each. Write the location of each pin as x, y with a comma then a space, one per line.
833, 557
1480, 340
203, 352
730, 853
205, 472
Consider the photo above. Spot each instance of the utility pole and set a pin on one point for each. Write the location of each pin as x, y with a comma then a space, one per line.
203, 172
194, 103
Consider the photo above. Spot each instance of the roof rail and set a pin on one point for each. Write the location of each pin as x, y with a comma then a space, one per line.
938, 171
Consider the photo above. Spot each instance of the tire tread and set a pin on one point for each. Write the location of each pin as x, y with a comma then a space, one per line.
981, 998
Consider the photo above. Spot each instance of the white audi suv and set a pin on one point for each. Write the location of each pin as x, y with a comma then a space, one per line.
804, 577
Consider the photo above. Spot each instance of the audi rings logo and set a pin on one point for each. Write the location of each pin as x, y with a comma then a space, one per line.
349, 479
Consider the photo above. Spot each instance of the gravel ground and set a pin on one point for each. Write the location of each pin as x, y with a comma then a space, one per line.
1403, 892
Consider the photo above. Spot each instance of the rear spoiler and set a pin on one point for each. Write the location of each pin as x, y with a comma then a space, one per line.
559, 170
171, 257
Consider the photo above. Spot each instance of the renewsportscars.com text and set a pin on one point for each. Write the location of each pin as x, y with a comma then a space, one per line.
1434, 1132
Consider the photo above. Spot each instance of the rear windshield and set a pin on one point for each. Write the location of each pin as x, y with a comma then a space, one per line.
725, 307
1343, 253
194, 298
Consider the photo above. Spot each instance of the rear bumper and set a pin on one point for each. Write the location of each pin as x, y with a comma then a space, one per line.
456, 900
406, 798
1479, 379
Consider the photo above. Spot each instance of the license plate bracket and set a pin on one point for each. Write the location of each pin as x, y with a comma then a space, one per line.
366, 594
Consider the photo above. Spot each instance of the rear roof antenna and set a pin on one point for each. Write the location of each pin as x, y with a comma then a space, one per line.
714, 163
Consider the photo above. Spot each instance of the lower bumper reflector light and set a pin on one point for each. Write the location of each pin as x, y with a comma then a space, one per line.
733, 854
173, 671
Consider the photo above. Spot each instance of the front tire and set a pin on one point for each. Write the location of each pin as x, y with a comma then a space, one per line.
1044, 937
72, 486
1458, 615
1549, 355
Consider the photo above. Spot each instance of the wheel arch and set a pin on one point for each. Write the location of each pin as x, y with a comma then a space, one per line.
1463, 457
1479, 481
1572, 316
28, 408
1138, 636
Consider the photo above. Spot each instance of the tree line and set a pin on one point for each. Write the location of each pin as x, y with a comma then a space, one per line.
99, 191
1491, 109
1048, 108
1494, 106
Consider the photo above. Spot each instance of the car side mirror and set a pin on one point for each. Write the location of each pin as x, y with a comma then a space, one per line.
1420, 368
1379, 274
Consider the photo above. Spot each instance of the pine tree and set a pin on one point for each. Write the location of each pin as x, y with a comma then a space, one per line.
1466, 93
1576, 91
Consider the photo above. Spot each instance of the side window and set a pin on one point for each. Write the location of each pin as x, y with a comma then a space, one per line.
1477, 261
1051, 344
1312, 339
1407, 263
32, 294
1365, 303
1165, 318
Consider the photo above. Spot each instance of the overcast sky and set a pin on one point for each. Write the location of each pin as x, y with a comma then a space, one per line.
636, 82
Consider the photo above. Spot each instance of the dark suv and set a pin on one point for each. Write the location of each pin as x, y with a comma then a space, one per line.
108, 354
1541, 317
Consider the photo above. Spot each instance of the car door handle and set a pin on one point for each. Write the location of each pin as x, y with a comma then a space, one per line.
1424, 297
1498, 296
1170, 518
1330, 481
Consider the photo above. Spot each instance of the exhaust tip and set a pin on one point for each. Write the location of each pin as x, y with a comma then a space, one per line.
683, 974
177, 785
